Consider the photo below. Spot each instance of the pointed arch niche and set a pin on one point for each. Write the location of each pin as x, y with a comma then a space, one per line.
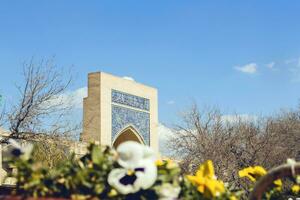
127, 134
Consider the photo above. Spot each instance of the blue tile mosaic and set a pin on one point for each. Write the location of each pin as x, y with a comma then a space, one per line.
130, 100
123, 117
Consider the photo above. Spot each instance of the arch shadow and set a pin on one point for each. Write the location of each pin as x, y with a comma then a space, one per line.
127, 134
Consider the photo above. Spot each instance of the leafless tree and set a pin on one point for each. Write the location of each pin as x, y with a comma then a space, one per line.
51, 152
40, 108
232, 145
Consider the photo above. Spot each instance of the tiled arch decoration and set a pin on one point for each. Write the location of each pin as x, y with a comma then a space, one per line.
130, 110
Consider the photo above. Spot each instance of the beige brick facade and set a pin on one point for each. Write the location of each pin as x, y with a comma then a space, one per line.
97, 109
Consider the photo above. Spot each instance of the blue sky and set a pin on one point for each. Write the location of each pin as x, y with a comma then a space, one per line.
241, 56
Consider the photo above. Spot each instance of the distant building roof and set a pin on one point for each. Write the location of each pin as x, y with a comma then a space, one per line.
3, 132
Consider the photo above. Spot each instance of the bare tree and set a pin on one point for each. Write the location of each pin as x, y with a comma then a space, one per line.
232, 145
40, 108
51, 152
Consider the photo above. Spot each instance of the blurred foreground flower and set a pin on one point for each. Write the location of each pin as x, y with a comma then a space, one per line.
138, 168
168, 191
206, 181
296, 189
20, 150
255, 173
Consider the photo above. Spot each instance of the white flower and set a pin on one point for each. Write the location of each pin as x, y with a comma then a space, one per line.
132, 180
23, 150
168, 191
132, 152
291, 161
139, 170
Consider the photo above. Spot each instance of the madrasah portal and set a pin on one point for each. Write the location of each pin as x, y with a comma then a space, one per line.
118, 110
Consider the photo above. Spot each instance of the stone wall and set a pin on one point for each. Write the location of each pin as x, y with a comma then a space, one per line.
114, 104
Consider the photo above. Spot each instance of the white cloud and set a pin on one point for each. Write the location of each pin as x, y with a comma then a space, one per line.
295, 73
270, 65
164, 135
171, 102
289, 61
239, 118
128, 78
78, 96
250, 68
70, 99
294, 69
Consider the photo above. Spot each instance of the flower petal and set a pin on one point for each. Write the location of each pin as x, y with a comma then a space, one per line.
147, 177
114, 178
129, 154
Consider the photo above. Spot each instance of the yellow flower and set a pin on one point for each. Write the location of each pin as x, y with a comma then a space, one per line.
296, 189
159, 163
253, 173
206, 170
79, 197
206, 181
232, 197
112, 193
278, 184
213, 187
171, 164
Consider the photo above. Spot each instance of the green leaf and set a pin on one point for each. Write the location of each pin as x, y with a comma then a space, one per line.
96, 155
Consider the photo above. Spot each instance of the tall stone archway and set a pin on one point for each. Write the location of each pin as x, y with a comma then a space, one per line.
128, 134
117, 110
